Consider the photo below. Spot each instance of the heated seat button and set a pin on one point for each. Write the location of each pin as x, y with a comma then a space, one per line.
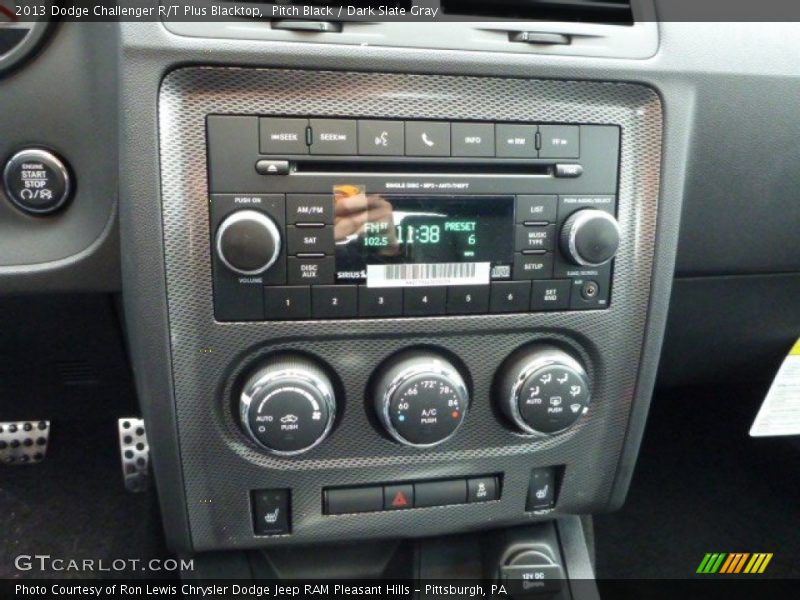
342, 501
334, 301
310, 240
334, 136
541, 489
482, 489
283, 136
398, 497
440, 493
271, 512
286, 302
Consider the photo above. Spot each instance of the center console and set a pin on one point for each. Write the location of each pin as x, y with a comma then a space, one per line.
401, 305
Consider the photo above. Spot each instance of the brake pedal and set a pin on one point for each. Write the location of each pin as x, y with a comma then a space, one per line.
134, 454
23, 442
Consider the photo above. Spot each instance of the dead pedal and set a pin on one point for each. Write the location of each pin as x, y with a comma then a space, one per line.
134, 453
23, 442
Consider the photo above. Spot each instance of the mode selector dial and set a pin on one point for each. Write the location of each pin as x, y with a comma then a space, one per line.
543, 390
248, 242
421, 398
590, 237
288, 406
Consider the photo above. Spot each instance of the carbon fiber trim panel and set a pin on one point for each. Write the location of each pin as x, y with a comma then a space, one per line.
209, 358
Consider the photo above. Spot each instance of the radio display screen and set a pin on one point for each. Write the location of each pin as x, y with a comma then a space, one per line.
393, 240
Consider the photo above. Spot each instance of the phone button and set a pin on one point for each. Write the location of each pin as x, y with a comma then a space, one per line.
427, 138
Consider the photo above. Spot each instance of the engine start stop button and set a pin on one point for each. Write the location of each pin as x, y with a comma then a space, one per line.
37, 181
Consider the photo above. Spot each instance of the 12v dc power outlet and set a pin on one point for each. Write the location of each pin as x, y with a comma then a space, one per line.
37, 181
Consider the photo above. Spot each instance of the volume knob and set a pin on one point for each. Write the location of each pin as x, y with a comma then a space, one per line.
248, 242
590, 237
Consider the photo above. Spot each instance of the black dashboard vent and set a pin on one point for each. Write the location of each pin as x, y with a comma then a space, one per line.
590, 11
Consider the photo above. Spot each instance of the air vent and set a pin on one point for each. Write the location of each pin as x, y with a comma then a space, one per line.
588, 11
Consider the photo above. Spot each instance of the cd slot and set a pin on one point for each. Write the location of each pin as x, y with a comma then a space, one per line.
336, 167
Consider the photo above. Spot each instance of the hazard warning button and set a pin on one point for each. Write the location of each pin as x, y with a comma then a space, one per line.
398, 497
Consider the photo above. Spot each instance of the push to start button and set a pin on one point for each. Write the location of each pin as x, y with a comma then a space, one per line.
37, 181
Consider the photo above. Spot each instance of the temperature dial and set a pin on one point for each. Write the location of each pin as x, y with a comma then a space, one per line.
543, 390
288, 406
420, 398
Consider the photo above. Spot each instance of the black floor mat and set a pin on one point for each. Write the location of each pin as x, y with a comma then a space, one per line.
63, 360
703, 485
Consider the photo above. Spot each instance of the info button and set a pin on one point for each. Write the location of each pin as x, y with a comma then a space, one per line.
473, 139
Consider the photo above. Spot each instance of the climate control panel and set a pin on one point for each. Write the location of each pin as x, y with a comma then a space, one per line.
420, 397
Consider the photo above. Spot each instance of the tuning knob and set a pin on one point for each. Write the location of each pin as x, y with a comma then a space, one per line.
421, 398
248, 242
543, 390
590, 237
288, 406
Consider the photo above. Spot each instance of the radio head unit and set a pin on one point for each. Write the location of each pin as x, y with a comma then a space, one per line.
337, 233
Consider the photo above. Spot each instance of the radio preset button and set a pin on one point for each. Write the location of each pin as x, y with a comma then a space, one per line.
537, 237
310, 240
309, 208
283, 136
560, 141
467, 299
536, 209
380, 302
516, 141
550, 295
334, 136
533, 266
424, 301
381, 138
473, 139
283, 303
510, 296
334, 301
305, 271
427, 138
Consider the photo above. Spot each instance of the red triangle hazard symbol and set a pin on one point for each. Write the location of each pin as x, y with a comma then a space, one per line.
400, 500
